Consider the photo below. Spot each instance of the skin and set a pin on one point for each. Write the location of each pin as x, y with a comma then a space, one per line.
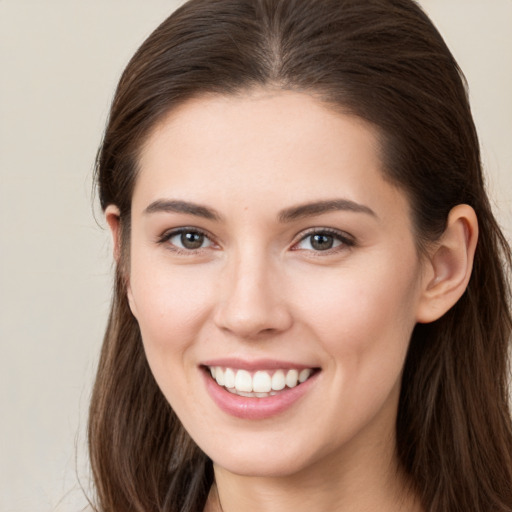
257, 288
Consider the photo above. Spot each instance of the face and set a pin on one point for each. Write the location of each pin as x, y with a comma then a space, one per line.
268, 250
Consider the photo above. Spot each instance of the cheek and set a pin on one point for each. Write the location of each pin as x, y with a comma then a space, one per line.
170, 303
363, 315
364, 322
171, 306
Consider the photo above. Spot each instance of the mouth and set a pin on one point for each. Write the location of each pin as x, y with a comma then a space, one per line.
259, 383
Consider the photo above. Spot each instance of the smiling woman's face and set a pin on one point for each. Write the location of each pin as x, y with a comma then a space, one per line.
268, 249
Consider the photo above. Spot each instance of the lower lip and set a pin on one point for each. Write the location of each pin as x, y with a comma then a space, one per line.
252, 408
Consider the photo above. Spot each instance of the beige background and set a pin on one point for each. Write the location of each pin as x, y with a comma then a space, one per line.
59, 62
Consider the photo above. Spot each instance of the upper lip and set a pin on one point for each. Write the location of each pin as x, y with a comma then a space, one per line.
256, 364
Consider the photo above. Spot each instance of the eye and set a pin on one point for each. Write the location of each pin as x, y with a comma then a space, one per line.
323, 240
187, 239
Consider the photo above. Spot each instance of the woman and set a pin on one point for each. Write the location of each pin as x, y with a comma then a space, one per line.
311, 306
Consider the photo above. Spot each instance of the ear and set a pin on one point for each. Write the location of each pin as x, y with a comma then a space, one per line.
449, 264
113, 218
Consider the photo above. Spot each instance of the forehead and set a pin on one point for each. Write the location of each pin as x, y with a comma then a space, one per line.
282, 146
268, 117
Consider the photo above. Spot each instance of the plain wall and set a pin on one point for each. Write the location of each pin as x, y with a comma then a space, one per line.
59, 63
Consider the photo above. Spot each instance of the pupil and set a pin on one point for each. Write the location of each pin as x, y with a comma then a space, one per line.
192, 240
322, 242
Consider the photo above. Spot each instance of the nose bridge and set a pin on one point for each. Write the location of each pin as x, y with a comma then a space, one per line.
252, 298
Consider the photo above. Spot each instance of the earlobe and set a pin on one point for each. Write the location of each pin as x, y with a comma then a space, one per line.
450, 264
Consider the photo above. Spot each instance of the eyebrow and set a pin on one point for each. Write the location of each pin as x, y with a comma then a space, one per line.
174, 206
319, 207
287, 215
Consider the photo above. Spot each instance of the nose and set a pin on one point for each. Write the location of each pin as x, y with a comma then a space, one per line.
252, 300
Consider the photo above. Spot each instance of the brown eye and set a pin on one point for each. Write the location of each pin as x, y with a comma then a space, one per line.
321, 242
187, 240
191, 240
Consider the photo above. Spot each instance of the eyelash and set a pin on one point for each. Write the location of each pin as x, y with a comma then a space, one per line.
345, 240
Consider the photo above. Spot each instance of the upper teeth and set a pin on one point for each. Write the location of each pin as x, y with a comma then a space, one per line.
261, 381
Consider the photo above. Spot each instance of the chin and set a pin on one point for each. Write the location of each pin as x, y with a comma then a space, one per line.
268, 463
280, 468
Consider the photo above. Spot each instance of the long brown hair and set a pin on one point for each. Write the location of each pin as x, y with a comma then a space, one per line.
384, 61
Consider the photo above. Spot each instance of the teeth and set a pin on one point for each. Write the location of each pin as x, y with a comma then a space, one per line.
291, 378
304, 375
260, 384
219, 376
229, 378
243, 381
278, 381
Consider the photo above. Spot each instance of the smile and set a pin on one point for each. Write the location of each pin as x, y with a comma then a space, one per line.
260, 383
258, 390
